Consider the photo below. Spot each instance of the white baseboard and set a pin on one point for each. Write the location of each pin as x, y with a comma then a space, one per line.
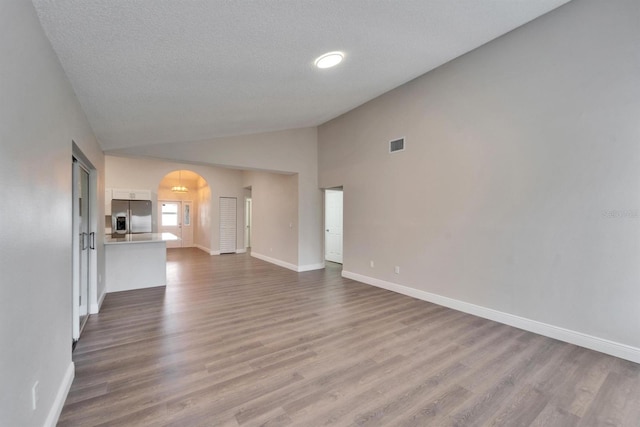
310, 267
241, 251
275, 261
61, 396
207, 250
95, 308
296, 268
613, 348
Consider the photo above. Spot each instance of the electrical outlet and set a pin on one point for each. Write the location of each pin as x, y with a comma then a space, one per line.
35, 395
396, 270
371, 264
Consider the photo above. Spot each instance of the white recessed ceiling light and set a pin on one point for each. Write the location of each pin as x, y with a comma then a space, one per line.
330, 59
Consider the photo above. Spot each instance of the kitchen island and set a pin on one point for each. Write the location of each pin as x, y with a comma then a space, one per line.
136, 261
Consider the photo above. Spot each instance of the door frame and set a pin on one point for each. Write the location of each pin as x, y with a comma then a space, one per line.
92, 286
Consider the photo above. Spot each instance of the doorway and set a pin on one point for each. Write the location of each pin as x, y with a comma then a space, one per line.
83, 244
333, 218
175, 217
184, 209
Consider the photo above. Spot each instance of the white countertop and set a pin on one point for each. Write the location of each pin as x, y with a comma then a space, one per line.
139, 238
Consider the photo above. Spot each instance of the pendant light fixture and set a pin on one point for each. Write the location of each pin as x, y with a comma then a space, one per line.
179, 188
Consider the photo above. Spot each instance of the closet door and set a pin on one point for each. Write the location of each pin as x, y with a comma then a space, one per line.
227, 225
83, 242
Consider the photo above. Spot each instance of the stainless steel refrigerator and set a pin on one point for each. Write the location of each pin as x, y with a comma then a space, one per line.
130, 216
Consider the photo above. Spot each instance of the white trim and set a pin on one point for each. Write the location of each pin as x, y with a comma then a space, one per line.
241, 251
95, 308
207, 250
275, 261
61, 396
574, 337
296, 268
310, 267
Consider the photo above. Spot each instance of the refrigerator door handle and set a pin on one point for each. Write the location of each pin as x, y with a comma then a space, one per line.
92, 240
83, 241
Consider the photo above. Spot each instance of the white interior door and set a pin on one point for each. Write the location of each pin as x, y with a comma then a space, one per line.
247, 222
170, 221
227, 225
83, 242
333, 226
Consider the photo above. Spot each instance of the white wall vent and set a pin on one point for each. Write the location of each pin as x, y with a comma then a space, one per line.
396, 145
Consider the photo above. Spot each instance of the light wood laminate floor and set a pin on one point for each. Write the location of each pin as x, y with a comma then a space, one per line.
235, 341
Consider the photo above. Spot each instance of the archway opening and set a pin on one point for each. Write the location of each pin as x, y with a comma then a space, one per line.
184, 203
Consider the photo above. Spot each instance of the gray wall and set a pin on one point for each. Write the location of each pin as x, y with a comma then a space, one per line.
519, 189
274, 210
39, 118
288, 151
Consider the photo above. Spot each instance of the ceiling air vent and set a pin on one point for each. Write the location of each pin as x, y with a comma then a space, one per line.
396, 145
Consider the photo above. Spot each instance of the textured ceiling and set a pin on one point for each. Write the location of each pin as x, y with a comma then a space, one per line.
161, 71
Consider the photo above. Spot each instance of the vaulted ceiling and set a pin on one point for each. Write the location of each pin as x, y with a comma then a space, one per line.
170, 71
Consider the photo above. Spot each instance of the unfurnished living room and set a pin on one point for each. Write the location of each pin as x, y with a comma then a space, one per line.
320, 212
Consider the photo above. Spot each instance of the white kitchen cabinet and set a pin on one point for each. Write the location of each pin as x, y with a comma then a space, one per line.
126, 194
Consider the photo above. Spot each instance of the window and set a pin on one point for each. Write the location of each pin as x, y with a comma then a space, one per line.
169, 214
187, 214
